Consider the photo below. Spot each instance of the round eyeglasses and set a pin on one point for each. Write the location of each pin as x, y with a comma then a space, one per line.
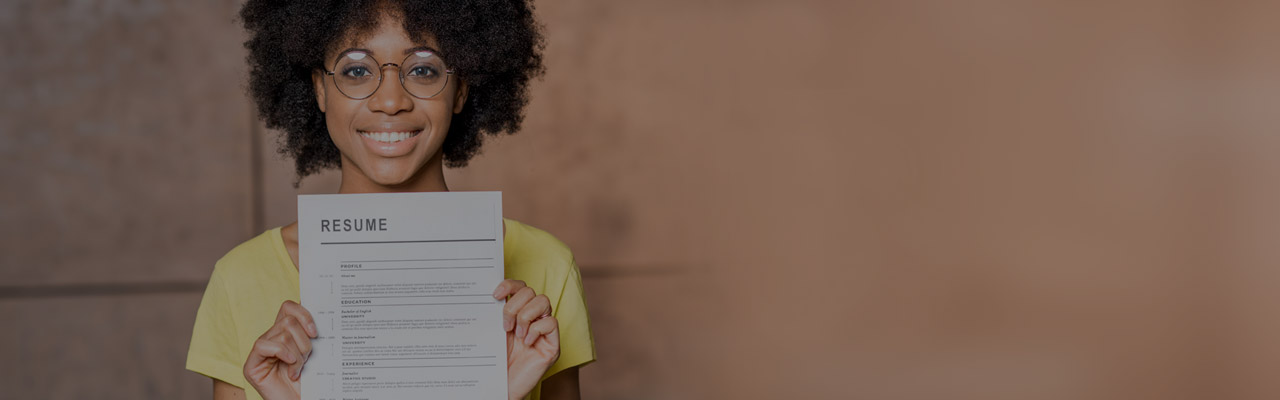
358, 75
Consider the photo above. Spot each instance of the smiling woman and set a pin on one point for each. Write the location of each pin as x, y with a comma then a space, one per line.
494, 46
390, 93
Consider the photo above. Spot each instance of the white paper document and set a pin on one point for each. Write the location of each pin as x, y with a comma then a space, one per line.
401, 288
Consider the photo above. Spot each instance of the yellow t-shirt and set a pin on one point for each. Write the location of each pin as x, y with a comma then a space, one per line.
253, 279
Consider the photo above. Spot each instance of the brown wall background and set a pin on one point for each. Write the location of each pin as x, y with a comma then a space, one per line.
767, 199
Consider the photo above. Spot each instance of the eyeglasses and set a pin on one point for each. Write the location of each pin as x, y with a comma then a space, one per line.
357, 75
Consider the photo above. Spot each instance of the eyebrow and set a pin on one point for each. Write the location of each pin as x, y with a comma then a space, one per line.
408, 51
421, 48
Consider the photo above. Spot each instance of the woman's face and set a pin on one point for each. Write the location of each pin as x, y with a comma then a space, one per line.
391, 135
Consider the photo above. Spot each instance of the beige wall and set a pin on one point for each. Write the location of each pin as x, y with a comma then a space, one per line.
768, 199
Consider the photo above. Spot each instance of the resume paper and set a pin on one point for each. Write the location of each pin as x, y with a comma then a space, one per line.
401, 289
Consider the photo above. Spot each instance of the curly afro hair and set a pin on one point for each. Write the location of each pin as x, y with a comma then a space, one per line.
495, 46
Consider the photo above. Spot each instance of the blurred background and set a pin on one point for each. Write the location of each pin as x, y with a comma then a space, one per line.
767, 199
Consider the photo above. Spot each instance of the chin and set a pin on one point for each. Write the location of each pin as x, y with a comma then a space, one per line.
392, 172
395, 178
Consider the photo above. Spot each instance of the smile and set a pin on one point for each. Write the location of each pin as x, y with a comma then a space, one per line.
389, 137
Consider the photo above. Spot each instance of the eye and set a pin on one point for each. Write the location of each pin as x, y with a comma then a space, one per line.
422, 71
356, 71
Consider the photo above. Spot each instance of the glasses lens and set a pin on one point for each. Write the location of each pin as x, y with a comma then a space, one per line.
424, 74
356, 74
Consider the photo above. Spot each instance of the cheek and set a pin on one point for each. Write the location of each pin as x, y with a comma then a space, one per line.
440, 114
440, 123
339, 114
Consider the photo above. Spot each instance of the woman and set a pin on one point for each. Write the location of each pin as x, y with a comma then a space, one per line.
389, 92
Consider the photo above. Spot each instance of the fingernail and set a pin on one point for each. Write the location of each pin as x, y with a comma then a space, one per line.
496, 291
528, 340
507, 324
314, 332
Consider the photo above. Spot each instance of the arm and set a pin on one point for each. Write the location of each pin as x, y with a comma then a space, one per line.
227, 391
562, 386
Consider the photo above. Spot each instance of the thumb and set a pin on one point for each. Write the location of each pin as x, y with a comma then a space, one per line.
511, 337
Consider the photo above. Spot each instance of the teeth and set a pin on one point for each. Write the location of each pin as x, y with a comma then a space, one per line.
387, 137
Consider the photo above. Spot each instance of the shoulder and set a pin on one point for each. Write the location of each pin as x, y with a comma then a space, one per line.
537, 257
245, 288
249, 262
250, 250
530, 242
547, 266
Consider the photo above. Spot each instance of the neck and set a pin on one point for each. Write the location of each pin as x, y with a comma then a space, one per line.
430, 178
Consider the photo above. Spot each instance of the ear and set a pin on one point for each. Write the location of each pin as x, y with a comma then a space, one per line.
460, 96
317, 79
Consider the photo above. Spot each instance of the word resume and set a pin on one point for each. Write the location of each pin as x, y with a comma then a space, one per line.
401, 289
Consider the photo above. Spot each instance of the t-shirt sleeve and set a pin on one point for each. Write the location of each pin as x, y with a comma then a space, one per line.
577, 348
214, 350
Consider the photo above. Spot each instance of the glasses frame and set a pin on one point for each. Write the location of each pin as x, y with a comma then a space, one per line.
448, 72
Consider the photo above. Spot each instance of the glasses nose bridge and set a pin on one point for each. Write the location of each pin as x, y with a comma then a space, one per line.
383, 67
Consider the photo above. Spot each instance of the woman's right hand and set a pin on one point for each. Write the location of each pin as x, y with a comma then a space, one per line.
275, 363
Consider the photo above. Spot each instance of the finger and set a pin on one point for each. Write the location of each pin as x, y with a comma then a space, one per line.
531, 311
299, 335
262, 360
510, 344
294, 368
295, 371
506, 288
265, 349
546, 327
292, 309
513, 306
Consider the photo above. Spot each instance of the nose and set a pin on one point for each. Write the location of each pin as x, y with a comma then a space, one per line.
390, 98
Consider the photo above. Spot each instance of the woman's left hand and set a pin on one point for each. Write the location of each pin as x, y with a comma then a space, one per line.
533, 336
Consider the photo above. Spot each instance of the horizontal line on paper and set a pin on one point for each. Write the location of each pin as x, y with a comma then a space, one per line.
413, 358
423, 295
416, 304
396, 269
427, 366
413, 241
424, 259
